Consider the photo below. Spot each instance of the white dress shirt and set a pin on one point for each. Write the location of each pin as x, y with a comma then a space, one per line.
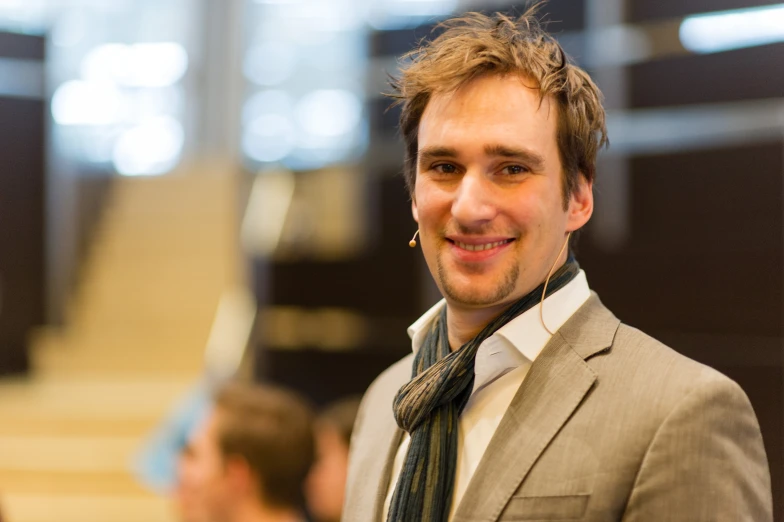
502, 361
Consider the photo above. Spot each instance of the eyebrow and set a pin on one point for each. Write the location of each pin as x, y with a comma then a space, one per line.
533, 160
430, 153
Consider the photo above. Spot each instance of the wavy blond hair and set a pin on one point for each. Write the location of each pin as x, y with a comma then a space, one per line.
476, 45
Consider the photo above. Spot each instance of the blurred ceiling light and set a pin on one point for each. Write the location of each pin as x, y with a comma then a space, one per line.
329, 112
153, 147
267, 102
402, 14
12, 4
139, 65
268, 138
69, 28
736, 29
420, 7
270, 63
158, 64
105, 62
95, 145
79, 102
150, 103
317, 158
29, 14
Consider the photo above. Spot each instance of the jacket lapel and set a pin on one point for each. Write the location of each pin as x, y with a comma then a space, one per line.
555, 386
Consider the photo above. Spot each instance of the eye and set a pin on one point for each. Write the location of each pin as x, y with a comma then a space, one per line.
445, 168
514, 169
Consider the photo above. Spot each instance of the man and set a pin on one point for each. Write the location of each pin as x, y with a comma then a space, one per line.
248, 460
525, 398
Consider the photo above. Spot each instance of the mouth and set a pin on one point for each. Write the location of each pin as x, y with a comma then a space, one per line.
474, 250
480, 247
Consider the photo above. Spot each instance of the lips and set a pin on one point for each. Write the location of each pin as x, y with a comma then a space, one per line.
473, 247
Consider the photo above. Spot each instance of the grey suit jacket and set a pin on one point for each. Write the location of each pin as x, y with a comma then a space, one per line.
608, 425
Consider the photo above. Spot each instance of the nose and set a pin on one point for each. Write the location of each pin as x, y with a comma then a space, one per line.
473, 202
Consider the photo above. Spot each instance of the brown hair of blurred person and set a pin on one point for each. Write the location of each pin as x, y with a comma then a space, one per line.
248, 460
326, 482
477, 45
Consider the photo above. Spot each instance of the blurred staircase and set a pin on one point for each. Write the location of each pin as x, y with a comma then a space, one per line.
132, 345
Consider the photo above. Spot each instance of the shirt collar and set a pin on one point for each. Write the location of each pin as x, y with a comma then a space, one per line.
522, 339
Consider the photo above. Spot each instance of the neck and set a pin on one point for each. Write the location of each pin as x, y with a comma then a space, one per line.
464, 323
259, 512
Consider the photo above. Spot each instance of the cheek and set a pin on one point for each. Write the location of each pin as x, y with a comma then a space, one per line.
525, 212
431, 201
536, 211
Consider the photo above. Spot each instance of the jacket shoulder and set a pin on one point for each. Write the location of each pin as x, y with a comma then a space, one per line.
655, 355
390, 380
665, 374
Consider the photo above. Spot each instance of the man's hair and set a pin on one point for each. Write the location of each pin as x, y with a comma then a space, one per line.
477, 45
272, 430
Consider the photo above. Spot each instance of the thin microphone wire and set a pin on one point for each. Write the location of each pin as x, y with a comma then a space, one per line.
546, 281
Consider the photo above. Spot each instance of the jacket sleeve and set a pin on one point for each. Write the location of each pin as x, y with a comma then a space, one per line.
705, 463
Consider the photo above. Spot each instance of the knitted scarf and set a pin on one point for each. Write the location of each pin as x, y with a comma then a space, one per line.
428, 408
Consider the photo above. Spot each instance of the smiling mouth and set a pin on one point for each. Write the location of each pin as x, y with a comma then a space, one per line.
481, 247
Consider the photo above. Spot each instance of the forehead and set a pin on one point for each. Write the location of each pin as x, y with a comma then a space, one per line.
501, 109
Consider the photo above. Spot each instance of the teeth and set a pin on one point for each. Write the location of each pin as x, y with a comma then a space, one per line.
479, 248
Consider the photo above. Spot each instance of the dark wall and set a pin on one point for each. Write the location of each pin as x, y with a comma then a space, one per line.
381, 286
22, 167
647, 10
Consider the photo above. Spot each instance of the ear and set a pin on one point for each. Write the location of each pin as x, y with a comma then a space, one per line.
239, 474
414, 211
580, 205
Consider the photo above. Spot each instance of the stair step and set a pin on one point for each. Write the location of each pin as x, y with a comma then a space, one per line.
128, 364
50, 482
99, 427
105, 398
75, 454
86, 508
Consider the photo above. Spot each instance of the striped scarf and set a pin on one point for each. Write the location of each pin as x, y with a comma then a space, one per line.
429, 405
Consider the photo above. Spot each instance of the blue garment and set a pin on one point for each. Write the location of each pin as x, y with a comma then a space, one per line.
156, 463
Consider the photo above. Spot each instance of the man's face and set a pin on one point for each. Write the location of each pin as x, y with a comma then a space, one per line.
203, 490
488, 195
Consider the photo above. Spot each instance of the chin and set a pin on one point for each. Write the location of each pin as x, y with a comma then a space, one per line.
475, 295
476, 290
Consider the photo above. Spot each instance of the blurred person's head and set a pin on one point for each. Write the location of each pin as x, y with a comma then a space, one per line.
501, 134
326, 482
249, 458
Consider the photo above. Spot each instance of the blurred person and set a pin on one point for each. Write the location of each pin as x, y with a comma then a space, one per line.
248, 459
525, 398
188, 505
326, 483
163, 451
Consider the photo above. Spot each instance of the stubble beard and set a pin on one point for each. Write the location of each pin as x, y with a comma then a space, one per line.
477, 296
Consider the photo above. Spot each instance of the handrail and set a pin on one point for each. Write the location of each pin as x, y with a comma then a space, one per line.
230, 334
